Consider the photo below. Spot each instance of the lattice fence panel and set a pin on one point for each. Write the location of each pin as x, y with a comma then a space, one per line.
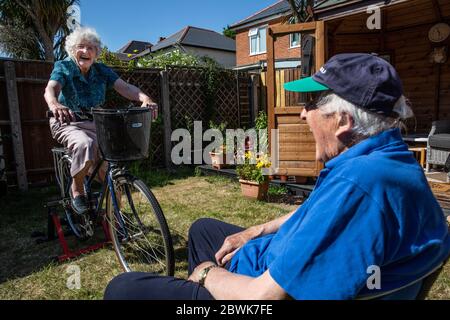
148, 80
226, 100
188, 95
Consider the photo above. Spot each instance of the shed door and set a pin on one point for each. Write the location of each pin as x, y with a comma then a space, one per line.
293, 147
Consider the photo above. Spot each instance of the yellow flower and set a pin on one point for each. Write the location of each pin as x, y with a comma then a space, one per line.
129, 55
136, 51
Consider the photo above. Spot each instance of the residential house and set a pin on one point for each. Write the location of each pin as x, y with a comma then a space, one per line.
199, 42
251, 37
413, 35
131, 49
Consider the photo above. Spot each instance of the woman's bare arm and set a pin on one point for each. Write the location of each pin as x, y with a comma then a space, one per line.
61, 113
133, 93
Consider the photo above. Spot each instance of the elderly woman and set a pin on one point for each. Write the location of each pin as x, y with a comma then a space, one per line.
77, 84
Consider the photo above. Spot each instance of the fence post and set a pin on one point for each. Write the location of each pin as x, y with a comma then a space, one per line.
16, 129
255, 96
165, 95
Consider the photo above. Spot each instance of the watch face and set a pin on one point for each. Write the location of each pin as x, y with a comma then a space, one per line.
439, 32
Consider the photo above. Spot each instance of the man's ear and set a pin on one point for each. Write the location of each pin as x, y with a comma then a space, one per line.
345, 126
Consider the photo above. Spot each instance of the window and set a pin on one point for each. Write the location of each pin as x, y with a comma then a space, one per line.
257, 38
295, 40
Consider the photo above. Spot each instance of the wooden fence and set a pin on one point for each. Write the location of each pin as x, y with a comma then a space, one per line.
181, 93
285, 98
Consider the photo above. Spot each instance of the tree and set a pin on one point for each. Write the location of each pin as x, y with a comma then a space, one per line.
34, 29
227, 32
302, 10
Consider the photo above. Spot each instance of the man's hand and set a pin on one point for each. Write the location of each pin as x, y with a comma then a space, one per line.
195, 276
62, 113
153, 107
234, 242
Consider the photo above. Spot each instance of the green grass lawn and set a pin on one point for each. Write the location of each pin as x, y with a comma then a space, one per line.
27, 270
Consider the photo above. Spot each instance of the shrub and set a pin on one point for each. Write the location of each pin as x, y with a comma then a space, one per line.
174, 58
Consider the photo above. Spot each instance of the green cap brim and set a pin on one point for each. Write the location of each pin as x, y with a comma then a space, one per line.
305, 85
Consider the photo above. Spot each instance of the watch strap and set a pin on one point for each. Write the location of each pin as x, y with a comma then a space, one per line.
204, 273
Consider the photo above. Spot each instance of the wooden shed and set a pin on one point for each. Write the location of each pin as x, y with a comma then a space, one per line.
411, 35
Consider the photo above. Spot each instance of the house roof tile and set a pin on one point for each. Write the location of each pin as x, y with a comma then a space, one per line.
193, 36
133, 45
281, 8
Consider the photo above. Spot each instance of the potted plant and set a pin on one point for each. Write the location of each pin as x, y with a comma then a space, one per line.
254, 184
219, 158
219, 155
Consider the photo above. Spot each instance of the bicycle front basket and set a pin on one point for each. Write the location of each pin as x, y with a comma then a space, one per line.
123, 134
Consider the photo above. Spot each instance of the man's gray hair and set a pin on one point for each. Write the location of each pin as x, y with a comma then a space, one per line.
80, 34
366, 123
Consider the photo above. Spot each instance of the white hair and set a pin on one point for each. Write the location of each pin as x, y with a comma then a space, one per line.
80, 34
366, 123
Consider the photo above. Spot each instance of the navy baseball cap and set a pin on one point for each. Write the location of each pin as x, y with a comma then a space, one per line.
366, 80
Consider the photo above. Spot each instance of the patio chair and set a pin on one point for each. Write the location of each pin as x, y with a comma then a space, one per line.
438, 146
427, 283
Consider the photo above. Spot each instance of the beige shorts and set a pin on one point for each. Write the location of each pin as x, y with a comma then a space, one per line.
81, 139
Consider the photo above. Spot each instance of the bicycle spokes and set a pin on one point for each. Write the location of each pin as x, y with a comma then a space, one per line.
141, 242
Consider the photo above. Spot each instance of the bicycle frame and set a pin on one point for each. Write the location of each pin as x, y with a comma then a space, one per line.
108, 182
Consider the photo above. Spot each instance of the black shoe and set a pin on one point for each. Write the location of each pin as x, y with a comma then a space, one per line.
80, 204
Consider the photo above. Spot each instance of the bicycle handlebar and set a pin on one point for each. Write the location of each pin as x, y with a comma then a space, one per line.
84, 115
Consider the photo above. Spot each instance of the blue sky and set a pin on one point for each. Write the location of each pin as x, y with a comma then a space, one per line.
117, 22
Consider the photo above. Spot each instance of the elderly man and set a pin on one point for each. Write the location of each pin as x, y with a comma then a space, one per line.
371, 213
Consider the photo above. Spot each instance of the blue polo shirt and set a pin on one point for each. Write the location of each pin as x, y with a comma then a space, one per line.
80, 92
371, 206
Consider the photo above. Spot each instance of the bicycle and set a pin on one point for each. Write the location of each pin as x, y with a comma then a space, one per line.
136, 223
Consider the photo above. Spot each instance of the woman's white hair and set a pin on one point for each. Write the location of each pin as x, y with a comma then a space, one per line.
80, 34
366, 123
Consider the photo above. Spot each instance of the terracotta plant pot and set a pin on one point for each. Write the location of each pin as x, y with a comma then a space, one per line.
254, 190
219, 159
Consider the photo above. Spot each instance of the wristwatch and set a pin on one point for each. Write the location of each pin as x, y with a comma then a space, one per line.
204, 273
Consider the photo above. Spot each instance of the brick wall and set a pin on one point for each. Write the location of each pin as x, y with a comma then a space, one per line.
282, 50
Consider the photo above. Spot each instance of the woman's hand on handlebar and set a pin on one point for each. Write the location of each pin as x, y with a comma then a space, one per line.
62, 113
153, 107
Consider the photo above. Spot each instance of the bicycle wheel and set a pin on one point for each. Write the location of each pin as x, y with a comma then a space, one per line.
79, 224
138, 229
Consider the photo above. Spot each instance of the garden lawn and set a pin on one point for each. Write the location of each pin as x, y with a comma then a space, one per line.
27, 270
